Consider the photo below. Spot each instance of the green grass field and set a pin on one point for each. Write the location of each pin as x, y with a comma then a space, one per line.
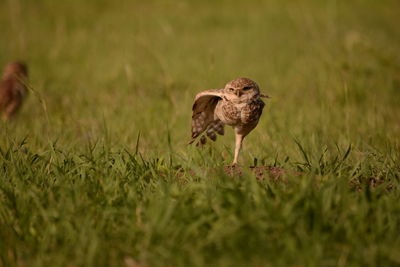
95, 170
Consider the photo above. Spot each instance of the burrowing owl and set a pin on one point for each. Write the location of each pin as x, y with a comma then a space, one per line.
12, 88
238, 105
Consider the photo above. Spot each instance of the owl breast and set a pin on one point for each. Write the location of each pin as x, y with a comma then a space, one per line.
239, 114
228, 112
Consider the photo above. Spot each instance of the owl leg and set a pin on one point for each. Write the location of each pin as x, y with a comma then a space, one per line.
239, 140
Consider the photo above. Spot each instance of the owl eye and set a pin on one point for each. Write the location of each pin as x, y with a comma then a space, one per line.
231, 89
247, 88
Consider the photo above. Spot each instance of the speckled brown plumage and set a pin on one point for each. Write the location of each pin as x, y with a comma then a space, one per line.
12, 88
238, 105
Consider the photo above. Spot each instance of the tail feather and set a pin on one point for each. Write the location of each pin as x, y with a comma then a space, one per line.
214, 127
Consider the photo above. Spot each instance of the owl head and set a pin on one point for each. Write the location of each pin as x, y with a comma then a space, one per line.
241, 89
15, 69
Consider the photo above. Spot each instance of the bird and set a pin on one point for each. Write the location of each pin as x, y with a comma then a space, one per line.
13, 88
238, 104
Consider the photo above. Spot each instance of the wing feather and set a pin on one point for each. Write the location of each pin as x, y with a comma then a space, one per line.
6, 93
203, 111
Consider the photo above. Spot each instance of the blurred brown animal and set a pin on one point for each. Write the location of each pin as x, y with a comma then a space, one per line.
238, 105
13, 89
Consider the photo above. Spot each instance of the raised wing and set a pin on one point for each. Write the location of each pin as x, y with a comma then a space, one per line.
203, 112
6, 93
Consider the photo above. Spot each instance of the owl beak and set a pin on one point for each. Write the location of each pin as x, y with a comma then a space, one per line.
238, 93
265, 96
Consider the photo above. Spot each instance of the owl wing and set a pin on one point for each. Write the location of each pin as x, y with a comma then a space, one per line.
6, 93
203, 115
252, 112
250, 115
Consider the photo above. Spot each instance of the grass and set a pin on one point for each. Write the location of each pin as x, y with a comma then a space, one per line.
96, 171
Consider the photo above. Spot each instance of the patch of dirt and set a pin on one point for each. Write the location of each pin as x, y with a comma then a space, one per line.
261, 172
276, 174
280, 175
360, 183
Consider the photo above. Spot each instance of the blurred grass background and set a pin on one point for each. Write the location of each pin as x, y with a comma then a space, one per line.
74, 192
